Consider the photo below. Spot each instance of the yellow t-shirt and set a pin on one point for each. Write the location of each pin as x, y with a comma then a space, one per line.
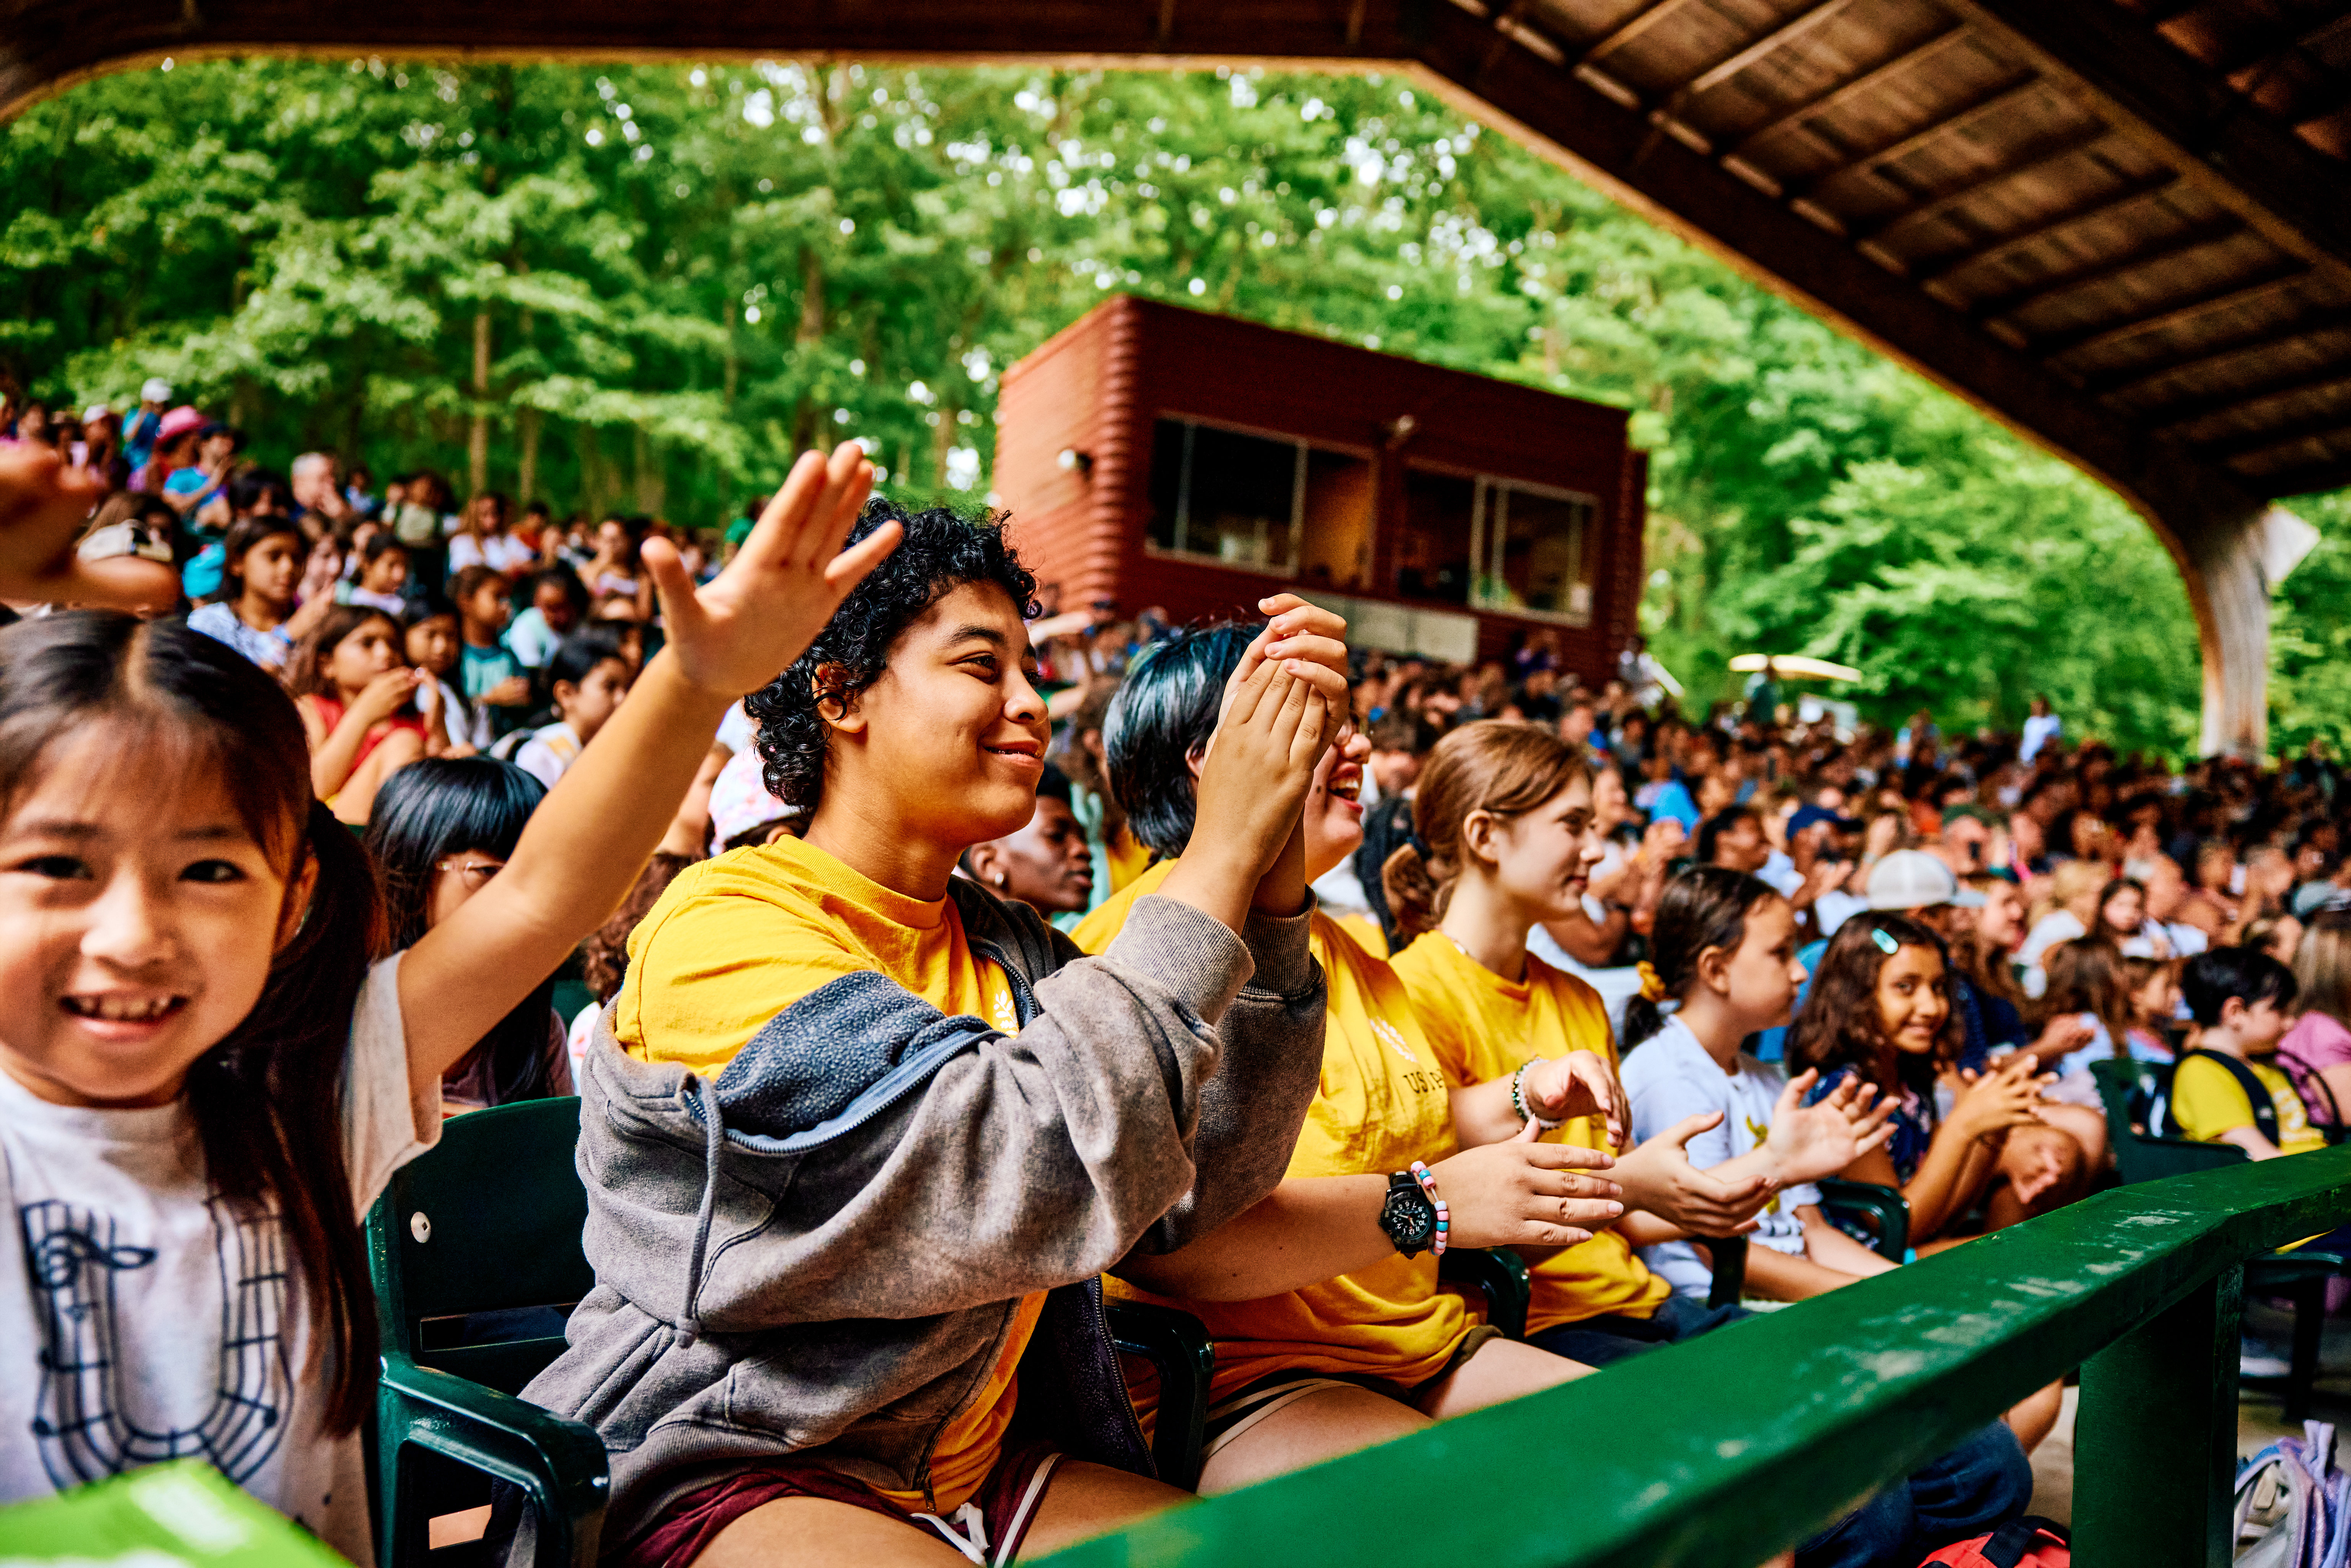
1382, 1103
1128, 856
2208, 1102
1482, 1027
736, 940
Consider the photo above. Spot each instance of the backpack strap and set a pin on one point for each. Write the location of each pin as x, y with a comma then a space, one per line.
2257, 1094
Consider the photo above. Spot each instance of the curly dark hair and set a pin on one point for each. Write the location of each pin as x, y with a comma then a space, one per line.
1838, 1024
941, 552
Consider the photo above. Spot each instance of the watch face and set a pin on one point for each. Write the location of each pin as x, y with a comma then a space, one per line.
1409, 1218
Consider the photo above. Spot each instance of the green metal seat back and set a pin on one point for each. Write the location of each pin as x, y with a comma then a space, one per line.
2134, 1093
488, 1222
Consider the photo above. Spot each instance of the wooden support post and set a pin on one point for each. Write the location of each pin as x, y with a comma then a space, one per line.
2155, 1441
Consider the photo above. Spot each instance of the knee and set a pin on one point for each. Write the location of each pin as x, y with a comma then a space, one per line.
1978, 1486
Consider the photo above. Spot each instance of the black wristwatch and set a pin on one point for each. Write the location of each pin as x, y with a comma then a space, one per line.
1408, 1217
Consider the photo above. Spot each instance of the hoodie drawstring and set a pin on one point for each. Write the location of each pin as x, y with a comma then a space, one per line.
971, 1539
714, 1145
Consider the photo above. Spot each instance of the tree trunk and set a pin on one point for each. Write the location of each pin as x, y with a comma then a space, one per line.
728, 318
527, 421
650, 487
811, 327
478, 441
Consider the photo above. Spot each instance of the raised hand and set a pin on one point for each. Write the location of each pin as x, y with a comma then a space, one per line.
1521, 1193
43, 505
1659, 1177
739, 631
1809, 1141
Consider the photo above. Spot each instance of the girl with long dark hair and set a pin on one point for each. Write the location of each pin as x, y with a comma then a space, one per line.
443, 829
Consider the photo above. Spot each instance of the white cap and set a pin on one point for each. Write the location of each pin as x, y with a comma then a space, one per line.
94, 411
156, 390
1912, 879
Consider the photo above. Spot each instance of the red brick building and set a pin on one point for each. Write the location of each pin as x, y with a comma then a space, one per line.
1155, 456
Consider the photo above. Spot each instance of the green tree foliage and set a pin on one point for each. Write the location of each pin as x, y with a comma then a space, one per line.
641, 286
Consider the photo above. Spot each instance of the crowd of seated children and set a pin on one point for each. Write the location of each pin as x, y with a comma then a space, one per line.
896, 1128
211, 1055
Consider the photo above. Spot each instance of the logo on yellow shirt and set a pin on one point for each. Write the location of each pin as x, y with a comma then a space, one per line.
1395, 1039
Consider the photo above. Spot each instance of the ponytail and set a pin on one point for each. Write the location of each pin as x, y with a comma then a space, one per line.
1417, 890
1705, 907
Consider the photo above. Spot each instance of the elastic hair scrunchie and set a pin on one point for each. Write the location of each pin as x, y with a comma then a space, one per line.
1653, 987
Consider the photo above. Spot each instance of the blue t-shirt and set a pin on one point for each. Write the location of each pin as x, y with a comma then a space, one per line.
480, 670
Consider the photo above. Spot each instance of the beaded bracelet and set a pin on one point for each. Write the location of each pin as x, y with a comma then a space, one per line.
1421, 1173
1518, 1101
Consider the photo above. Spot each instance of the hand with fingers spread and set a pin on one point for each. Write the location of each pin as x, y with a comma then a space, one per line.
1521, 1193
1658, 1179
44, 503
1810, 1142
736, 633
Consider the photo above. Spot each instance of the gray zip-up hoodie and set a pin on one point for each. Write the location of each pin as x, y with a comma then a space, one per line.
824, 1246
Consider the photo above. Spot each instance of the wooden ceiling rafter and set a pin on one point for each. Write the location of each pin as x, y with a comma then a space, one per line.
2224, 297
1874, 161
1628, 31
2033, 160
2127, 195
2279, 44
1834, 97
1995, 307
1818, 14
2125, 384
2257, 443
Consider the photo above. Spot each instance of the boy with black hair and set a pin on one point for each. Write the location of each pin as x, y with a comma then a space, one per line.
2226, 1089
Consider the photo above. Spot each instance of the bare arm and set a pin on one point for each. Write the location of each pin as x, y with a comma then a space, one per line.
1314, 1228
2250, 1139
1557, 1088
1830, 1247
590, 839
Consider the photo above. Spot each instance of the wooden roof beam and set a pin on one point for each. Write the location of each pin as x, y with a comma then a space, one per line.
1776, 38
2122, 71
2000, 250
2244, 344
2195, 238
2267, 45
2056, 150
2179, 418
2255, 443
1648, 16
1834, 98
2185, 311
1901, 147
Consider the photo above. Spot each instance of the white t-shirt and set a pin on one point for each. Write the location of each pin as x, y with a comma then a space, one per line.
499, 552
1669, 1077
737, 730
139, 1321
550, 752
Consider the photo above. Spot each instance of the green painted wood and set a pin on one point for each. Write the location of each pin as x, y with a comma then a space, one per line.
1719, 1453
2155, 1440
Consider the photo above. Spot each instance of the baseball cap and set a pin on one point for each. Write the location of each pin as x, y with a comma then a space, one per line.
155, 389
1803, 817
1912, 879
1984, 814
178, 422
95, 412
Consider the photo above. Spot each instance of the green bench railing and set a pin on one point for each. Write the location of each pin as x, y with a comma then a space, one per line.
1729, 1450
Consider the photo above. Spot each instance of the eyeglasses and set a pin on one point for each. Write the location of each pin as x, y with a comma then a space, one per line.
475, 873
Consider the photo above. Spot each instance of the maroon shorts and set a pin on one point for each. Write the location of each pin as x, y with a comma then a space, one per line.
989, 1529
